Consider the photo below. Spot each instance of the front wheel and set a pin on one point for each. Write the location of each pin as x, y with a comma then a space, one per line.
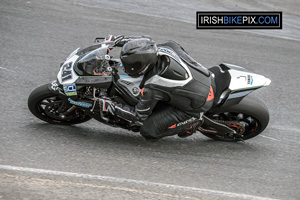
48, 107
251, 113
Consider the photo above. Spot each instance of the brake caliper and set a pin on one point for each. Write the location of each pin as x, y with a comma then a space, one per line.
238, 127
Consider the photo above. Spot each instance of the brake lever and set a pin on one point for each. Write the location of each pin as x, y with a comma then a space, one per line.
97, 39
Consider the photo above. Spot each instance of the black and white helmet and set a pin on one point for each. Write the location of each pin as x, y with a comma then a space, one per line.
138, 55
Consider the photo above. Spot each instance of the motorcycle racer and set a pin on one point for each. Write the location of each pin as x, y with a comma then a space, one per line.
175, 90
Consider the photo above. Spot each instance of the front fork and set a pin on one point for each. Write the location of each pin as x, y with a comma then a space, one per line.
66, 108
94, 111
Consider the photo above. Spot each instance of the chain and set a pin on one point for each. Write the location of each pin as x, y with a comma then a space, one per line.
240, 126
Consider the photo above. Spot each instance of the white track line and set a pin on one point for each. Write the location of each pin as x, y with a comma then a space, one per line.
268, 137
132, 181
7, 69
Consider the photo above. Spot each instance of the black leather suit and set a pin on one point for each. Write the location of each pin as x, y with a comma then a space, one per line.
173, 97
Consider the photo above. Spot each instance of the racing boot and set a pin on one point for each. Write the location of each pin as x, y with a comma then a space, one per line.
191, 130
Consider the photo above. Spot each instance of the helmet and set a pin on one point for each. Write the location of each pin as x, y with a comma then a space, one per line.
137, 55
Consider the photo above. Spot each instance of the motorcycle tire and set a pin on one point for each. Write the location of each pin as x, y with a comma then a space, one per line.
44, 104
251, 112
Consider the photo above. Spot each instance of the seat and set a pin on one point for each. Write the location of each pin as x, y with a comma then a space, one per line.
222, 81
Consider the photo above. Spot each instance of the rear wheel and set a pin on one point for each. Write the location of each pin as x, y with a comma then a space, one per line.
49, 107
250, 116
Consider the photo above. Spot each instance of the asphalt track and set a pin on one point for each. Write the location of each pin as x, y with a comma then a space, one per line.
93, 161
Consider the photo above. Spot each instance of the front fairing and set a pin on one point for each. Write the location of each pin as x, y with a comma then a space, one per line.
82, 64
97, 54
66, 74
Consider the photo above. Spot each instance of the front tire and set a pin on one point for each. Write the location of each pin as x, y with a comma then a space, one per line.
251, 112
45, 105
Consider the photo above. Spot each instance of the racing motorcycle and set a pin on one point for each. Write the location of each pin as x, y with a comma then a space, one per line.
92, 73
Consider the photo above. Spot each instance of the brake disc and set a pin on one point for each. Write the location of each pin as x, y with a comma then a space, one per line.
52, 110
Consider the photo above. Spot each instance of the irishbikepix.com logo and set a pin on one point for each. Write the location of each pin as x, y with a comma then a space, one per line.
239, 20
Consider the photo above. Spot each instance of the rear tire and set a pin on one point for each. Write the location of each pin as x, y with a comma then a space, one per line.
44, 104
251, 112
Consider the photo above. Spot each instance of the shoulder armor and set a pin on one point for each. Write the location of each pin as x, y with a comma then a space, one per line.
172, 69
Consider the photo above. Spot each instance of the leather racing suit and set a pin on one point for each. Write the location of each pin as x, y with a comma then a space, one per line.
175, 93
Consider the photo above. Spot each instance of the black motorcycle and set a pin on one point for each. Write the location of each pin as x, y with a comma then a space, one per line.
91, 73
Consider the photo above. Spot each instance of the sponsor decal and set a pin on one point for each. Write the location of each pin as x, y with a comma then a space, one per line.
171, 53
238, 20
249, 80
101, 74
70, 90
193, 119
78, 103
54, 86
187, 121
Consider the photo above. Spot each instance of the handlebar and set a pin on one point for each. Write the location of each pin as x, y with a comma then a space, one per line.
120, 40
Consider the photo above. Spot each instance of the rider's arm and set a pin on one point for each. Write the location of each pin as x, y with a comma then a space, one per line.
143, 109
121, 40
